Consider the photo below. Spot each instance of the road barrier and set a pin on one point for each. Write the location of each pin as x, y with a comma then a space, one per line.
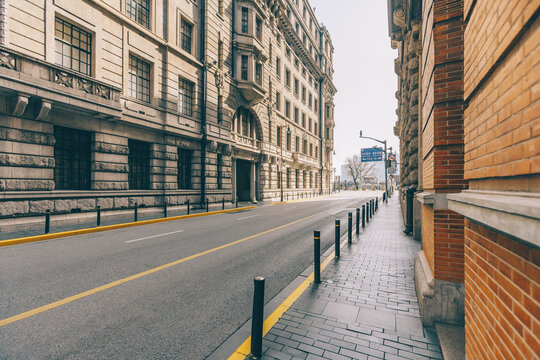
47, 221
258, 317
337, 236
349, 228
317, 257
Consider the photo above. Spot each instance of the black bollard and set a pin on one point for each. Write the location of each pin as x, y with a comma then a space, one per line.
135, 213
223, 204
47, 220
349, 227
357, 221
98, 219
258, 317
237, 201
337, 236
363, 216
165, 209
207, 206
187, 203
317, 257
367, 212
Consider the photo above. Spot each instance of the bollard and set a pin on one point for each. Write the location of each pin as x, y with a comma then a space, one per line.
317, 257
349, 228
223, 204
207, 206
98, 219
47, 220
357, 221
237, 201
367, 212
135, 213
337, 236
258, 317
165, 209
363, 216
187, 203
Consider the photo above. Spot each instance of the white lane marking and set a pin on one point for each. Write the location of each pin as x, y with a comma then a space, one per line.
154, 236
247, 217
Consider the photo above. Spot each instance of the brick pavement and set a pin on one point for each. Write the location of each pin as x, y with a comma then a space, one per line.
365, 306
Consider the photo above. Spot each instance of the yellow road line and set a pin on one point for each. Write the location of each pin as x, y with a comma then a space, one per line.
245, 349
69, 299
113, 227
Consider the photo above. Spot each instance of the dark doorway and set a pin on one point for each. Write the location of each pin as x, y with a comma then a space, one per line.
243, 179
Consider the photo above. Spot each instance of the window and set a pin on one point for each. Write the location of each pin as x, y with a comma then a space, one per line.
297, 63
185, 36
73, 47
219, 171
258, 74
139, 79
296, 116
139, 10
287, 78
310, 149
278, 101
297, 144
184, 168
288, 109
327, 112
310, 124
288, 52
288, 178
185, 97
278, 137
304, 72
304, 176
310, 100
327, 133
139, 165
316, 105
245, 17
297, 180
244, 67
258, 28
278, 67
316, 152
303, 120
304, 147
220, 7
296, 86
303, 93
289, 141
315, 128
72, 159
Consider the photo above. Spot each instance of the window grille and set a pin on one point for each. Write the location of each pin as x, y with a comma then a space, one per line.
73, 47
185, 157
72, 159
139, 10
139, 79
139, 165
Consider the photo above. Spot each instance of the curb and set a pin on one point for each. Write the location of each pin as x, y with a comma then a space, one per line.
36, 238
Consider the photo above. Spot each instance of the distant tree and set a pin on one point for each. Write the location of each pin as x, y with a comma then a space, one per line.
358, 169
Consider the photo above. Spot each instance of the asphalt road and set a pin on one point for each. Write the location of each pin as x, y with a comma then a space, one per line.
181, 311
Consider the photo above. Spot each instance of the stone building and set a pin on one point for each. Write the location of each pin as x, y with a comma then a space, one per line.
478, 152
112, 103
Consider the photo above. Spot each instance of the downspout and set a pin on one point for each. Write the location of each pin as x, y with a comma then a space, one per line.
321, 135
233, 38
203, 104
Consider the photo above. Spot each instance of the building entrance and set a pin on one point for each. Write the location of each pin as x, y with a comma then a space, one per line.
243, 180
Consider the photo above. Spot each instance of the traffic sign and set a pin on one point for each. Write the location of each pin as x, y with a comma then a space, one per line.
371, 154
391, 157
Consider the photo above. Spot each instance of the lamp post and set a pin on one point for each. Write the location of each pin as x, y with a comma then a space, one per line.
281, 161
385, 163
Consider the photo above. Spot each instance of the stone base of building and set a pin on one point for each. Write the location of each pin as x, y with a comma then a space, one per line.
439, 301
417, 219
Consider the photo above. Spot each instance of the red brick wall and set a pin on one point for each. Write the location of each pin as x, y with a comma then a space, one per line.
448, 254
502, 121
428, 234
502, 290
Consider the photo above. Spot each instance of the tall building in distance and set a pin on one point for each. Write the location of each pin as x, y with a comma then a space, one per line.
111, 103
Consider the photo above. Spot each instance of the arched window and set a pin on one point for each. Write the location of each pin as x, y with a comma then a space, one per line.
245, 124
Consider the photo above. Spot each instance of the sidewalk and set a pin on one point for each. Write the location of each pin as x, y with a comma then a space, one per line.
365, 306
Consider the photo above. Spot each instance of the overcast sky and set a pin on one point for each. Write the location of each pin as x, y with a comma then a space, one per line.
364, 73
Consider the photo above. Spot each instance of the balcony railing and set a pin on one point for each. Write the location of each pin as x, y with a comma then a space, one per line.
304, 159
246, 141
56, 78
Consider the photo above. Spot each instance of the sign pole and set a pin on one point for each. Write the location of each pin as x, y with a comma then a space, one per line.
385, 171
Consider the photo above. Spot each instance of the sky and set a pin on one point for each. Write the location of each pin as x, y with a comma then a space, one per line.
364, 74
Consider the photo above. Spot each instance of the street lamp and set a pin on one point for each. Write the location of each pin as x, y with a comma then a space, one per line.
385, 163
281, 161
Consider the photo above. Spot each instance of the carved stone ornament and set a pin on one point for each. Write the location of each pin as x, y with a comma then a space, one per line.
220, 81
7, 60
399, 17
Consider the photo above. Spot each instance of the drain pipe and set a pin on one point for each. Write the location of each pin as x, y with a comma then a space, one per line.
204, 100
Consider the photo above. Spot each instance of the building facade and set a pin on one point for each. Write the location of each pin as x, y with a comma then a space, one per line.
473, 74
112, 103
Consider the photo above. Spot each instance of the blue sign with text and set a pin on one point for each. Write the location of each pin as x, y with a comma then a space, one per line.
371, 154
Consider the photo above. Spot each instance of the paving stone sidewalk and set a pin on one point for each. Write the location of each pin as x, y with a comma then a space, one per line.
365, 306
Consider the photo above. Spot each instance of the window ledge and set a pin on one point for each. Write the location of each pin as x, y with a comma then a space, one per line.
516, 214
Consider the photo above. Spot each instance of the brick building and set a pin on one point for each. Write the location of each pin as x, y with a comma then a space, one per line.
112, 103
477, 68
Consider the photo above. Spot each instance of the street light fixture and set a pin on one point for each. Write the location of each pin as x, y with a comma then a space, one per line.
385, 162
